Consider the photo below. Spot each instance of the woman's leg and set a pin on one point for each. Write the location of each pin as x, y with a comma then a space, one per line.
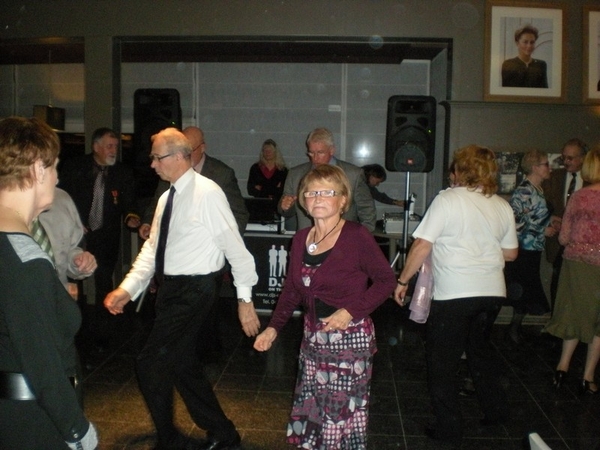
591, 360
568, 348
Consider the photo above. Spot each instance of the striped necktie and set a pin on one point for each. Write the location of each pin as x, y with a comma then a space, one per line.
95, 218
41, 237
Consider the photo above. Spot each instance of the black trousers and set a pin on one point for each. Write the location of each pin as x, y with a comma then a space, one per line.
104, 245
170, 359
556, 267
455, 326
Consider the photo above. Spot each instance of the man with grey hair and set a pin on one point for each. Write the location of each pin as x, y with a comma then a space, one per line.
557, 190
192, 233
320, 150
103, 190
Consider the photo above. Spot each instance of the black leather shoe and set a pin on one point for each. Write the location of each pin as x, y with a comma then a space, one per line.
214, 444
559, 378
586, 387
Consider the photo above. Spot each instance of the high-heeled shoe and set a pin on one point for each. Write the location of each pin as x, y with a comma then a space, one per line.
559, 378
586, 387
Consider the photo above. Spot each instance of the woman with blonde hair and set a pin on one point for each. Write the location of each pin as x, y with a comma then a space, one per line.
267, 176
525, 291
576, 314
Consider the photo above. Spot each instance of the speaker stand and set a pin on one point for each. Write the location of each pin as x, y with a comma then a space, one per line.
407, 208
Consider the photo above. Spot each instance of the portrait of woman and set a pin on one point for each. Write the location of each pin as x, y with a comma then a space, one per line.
524, 70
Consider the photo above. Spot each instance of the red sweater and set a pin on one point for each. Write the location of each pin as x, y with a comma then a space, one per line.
355, 275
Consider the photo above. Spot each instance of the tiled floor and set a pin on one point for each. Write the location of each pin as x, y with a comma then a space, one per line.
256, 389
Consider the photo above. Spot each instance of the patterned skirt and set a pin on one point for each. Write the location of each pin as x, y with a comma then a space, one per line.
330, 410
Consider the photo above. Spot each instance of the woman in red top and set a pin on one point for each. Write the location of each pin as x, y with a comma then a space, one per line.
267, 176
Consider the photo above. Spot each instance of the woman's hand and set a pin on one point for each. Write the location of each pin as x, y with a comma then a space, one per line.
339, 320
265, 339
400, 294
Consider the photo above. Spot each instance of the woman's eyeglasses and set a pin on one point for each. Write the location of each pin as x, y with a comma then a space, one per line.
327, 193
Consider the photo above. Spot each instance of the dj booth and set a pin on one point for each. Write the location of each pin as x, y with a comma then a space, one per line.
269, 242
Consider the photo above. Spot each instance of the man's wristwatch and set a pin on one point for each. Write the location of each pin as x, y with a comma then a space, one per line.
244, 300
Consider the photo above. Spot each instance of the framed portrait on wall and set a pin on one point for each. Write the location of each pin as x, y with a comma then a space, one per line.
524, 54
591, 54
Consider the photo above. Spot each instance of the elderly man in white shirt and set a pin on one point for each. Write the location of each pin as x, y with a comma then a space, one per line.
202, 233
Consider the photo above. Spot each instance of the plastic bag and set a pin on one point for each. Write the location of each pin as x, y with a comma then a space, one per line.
421, 298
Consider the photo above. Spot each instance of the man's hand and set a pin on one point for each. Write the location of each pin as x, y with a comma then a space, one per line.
116, 300
144, 231
133, 222
248, 319
85, 262
287, 201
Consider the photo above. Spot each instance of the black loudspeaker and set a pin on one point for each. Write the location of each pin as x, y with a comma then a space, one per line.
153, 111
410, 133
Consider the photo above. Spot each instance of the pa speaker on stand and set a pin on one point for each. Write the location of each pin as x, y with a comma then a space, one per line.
410, 133
153, 111
410, 144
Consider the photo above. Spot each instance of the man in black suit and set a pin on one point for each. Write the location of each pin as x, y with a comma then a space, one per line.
557, 190
103, 191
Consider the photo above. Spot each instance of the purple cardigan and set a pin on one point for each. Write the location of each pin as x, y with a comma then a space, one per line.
355, 276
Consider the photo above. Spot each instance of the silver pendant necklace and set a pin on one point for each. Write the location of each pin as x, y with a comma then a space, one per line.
313, 247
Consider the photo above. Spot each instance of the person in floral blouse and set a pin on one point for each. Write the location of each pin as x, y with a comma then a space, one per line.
524, 286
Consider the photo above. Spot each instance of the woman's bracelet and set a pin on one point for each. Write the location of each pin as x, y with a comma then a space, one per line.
401, 283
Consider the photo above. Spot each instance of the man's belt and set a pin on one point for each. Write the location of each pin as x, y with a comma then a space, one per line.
14, 386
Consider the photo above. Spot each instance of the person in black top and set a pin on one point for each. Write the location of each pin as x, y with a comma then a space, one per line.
103, 190
524, 70
38, 319
267, 176
375, 175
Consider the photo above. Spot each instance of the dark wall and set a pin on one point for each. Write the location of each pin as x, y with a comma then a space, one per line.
511, 126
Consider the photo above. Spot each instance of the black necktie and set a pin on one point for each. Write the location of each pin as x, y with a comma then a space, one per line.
159, 261
95, 219
572, 185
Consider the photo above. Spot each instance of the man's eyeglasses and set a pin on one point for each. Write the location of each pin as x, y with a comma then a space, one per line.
159, 158
327, 193
569, 158
319, 153
198, 146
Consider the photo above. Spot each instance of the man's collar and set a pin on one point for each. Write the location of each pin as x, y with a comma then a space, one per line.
198, 167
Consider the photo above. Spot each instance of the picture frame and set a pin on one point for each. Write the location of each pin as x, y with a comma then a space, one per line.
507, 77
509, 171
591, 54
